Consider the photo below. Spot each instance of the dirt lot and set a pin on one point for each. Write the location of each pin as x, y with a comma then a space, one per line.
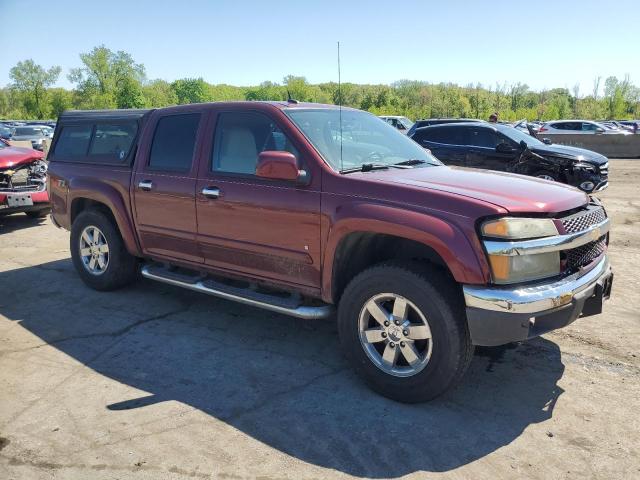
157, 382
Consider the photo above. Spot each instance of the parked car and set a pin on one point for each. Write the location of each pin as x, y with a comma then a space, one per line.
401, 123
507, 149
300, 208
438, 121
36, 135
578, 127
5, 132
23, 174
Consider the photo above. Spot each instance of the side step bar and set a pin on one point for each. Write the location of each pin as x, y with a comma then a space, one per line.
286, 306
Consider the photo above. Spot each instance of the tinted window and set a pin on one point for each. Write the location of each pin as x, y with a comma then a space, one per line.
113, 141
73, 141
446, 135
589, 127
174, 142
239, 139
483, 137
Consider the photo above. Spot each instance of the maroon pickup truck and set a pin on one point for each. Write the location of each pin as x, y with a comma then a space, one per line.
300, 208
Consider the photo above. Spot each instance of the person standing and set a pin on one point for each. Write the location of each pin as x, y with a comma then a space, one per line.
493, 118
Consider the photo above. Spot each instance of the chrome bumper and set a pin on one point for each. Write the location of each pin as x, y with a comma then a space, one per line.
499, 315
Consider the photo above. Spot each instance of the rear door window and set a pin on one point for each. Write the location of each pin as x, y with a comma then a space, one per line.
113, 141
174, 142
73, 141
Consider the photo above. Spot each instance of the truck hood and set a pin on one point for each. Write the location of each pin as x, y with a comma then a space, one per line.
15, 156
578, 154
512, 192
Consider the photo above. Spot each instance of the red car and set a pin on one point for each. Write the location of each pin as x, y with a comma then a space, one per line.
304, 208
23, 181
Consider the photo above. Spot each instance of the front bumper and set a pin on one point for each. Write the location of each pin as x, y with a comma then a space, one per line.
498, 315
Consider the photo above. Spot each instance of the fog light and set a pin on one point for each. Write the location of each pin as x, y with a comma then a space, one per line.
587, 186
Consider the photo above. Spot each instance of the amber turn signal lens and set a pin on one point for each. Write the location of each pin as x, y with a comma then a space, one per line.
499, 267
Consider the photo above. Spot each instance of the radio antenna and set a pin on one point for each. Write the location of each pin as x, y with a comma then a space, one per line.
340, 107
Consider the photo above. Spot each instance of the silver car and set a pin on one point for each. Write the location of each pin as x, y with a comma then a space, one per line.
401, 123
34, 134
579, 127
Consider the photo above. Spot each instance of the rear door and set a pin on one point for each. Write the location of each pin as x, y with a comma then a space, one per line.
250, 225
446, 143
164, 184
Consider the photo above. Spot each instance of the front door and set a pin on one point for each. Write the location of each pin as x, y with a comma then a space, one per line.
482, 152
254, 226
164, 186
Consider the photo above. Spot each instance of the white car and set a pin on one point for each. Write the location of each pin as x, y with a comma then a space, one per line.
401, 123
579, 127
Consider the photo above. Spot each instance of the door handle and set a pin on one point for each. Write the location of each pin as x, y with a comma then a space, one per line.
211, 192
145, 185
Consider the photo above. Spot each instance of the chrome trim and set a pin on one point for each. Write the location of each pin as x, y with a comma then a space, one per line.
145, 185
304, 312
211, 192
548, 244
534, 298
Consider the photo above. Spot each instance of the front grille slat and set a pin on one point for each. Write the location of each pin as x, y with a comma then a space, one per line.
584, 254
583, 220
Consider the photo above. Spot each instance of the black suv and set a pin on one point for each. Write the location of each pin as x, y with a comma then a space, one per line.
506, 149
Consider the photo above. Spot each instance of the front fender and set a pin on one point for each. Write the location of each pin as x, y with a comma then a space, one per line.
92, 189
451, 242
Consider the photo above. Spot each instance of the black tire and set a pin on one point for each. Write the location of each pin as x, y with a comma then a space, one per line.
122, 267
440, 301
546, 173
37, 213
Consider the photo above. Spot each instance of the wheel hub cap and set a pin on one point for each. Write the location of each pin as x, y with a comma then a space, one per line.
94, 250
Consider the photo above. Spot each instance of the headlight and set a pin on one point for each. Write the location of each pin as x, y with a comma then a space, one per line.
521, 268
585, 166
519, 228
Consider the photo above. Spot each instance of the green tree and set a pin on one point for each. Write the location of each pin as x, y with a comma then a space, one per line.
31, 81
108, 79
158, 93
191, 90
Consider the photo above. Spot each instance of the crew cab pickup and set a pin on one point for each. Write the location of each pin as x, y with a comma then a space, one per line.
308, 209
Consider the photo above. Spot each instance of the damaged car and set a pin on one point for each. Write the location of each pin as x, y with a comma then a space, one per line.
23, 181
507, 149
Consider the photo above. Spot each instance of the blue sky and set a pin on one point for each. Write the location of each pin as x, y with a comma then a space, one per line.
542, 44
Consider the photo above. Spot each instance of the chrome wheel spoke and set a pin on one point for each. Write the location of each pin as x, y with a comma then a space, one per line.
104, 248
390, 355
410, 354
377, 312
419, 332
374, 335
96, 235
86, 238
94, 250
85, 252
400, 308
92, 263
102, 262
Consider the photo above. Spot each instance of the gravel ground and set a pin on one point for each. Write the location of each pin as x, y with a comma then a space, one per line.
156, 382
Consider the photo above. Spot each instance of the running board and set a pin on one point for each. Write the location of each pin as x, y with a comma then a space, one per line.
287, 306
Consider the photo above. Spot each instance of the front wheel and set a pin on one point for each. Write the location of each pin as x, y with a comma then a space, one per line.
546, 175
99, 254
404, 331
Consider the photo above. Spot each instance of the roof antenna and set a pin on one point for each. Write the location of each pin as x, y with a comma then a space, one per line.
340, 107
289, 98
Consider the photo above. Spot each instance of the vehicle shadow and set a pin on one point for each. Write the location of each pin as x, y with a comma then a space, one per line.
280, 380
18, 221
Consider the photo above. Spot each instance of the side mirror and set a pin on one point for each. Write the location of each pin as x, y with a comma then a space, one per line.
278, 165
547, 141
599, 130
504, 148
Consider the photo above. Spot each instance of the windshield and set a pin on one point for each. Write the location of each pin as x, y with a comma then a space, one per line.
366, 139
406, 122
27, 131
518, 136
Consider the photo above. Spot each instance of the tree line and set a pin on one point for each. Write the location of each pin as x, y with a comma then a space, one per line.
110, 79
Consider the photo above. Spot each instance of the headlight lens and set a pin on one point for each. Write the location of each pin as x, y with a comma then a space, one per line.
522, 268
585, 166
519, 228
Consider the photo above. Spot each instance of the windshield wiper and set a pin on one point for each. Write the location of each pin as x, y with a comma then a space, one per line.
411, 162
365, 167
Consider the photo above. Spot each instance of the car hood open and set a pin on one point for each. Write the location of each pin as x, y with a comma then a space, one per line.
512, 192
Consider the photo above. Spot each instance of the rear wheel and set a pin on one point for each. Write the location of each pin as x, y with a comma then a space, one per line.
99, 254
404, 331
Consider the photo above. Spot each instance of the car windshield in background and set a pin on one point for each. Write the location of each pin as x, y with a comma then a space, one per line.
27, 131
518, 136
361, 139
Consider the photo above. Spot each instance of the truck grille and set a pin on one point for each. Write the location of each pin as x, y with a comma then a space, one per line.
604, 169
580, 221
585, 254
